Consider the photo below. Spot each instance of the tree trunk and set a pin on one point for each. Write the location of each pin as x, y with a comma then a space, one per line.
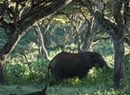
8, 47
89, 35
41, 42
118, 61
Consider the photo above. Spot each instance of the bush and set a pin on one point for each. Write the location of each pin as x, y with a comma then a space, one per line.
15, 74
23, 74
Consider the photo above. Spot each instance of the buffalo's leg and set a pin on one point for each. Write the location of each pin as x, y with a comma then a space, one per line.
57, 75
82, 73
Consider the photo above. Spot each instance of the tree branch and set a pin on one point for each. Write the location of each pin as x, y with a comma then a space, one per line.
42, 12
117, 13
107, 24
100, 38
127, 40
126, 14
126, 10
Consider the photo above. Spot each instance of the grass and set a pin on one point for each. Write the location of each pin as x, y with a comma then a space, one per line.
61, 90
6, 90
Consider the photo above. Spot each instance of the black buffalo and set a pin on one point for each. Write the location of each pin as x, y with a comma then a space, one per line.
68, 65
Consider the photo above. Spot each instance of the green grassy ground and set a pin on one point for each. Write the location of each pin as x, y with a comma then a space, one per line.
6, 90
61, 90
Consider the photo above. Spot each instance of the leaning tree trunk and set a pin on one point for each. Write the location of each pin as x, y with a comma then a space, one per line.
118, 61
8, 47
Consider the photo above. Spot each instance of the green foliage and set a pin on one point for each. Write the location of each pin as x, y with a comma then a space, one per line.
105, 47
2, 37
127, 72
127, 59
23, 74
15, 73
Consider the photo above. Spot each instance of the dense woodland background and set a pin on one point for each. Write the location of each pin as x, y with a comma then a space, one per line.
33, 32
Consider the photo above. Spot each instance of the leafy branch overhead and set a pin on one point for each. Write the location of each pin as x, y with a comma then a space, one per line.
24, 13
121, 14
18, 16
